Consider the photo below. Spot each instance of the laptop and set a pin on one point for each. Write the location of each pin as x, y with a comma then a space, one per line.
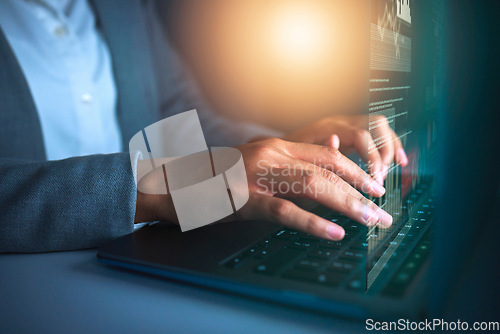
372, 272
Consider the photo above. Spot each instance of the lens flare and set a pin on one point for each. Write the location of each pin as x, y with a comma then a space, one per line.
299, 32
284, 63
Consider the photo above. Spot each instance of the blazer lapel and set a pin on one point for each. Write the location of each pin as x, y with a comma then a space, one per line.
124, 27
21, 133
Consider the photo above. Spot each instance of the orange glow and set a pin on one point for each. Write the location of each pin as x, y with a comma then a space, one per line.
283, 63
299, 32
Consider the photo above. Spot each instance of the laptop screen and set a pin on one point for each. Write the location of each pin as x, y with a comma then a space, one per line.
404, 85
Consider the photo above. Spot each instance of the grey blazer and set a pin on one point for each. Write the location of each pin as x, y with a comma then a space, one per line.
82, 202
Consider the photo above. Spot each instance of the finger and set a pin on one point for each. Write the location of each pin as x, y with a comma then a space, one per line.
386, 147
333, 141
384, 138
362, 142
328, 189
368, 151
331, 159
385, 143
288, 214
400, 157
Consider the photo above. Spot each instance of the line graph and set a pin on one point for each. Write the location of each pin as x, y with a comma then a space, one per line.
392, 26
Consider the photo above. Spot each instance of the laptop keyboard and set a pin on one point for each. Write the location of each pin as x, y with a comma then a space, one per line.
298, 256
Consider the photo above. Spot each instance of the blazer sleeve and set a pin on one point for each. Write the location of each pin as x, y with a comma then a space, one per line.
66, 204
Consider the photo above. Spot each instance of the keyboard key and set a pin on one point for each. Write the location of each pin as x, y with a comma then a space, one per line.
332, 279
341, 266
300, 245
398, 254
398, 284
342, 221
410, 235
401, 278
331, 244
278, 260
261, 254
287, 235
234, 263
416, 228
423, 213
308, 240
266, 243
352, 256
356, 285
359, 245
410, 267
304, 237
352, 226
308, 265
265, 248
349, 234
322, 254
250, 252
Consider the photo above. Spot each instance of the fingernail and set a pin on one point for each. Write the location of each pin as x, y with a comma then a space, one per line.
336, 141
385, 219
335, 232
377, 188
369, 216
403, 159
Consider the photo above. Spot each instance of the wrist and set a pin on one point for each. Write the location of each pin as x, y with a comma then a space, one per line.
150, 207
